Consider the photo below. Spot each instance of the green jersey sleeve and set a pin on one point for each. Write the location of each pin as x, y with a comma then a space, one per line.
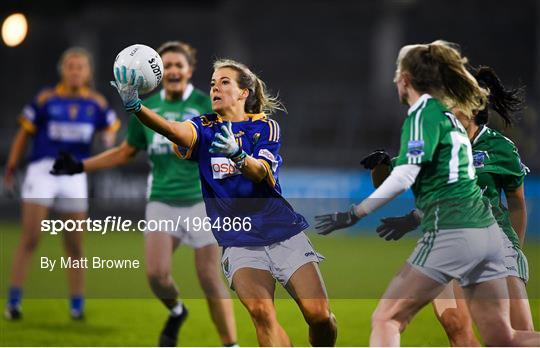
514, 172
135, 134
419, 138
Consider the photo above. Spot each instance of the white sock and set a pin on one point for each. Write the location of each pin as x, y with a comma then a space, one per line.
177, 310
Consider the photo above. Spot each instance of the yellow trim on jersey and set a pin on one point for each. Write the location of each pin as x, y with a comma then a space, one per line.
255, 117
27, 125
271, 126
62, 91
44, 96
114, 127
190, 149
269, 174
274, 130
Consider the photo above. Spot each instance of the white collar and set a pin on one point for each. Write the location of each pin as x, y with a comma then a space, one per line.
424, 97
187, 92
484, 129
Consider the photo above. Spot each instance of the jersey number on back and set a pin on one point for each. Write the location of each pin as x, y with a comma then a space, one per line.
459, 140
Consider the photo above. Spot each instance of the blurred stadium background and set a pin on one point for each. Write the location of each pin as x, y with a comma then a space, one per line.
332, 63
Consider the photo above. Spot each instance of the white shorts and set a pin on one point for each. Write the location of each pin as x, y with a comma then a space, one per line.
514, 260
63, 193
469, 255
281, 259
196, 238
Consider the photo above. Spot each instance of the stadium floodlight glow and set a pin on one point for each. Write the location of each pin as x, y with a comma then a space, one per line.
14, 29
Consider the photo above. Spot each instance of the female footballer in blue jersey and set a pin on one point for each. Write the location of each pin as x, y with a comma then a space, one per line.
60, 119
237, 149
174, 191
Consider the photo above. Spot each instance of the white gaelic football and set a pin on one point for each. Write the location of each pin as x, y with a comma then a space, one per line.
145, 61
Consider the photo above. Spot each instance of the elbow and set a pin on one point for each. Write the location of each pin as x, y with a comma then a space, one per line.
256, 176
125, 153
258, 171
259, 177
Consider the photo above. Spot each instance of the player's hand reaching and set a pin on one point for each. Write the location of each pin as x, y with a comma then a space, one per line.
393, 228
225, 142
127, 85
375, 158
66, 164
330, 222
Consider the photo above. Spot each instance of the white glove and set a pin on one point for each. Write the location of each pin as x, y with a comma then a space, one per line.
127, 85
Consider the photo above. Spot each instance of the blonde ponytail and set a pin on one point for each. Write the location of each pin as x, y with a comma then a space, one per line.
439, 69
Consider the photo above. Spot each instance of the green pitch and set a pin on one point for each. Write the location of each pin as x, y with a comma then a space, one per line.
121, 310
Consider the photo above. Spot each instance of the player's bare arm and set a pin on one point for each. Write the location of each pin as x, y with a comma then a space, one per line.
111, 158
15, 154
178, 132
518, 211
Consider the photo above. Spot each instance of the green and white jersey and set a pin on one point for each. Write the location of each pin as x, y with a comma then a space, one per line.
445, 189
171, 180
498, 167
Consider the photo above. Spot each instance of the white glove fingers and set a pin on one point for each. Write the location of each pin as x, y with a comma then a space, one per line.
225, 131
221, 138
219, 145
132, 76
123, 79
117, 73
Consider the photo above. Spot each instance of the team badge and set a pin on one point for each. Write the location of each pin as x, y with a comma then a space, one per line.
256, 138
479, 157
415, 148
73, 111
206, 122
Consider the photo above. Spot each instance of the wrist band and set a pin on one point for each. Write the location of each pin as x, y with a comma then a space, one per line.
239, 159
134, 106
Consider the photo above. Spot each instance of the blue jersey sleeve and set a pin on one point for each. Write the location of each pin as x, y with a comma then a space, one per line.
267, 148
33, 115
106, 118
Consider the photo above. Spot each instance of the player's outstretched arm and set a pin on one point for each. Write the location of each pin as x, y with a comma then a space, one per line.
179, 133
66, 164
127, 85
401, 178
117, 156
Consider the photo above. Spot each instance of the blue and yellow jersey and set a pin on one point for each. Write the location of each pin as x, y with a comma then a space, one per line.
229, 194
62, 122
